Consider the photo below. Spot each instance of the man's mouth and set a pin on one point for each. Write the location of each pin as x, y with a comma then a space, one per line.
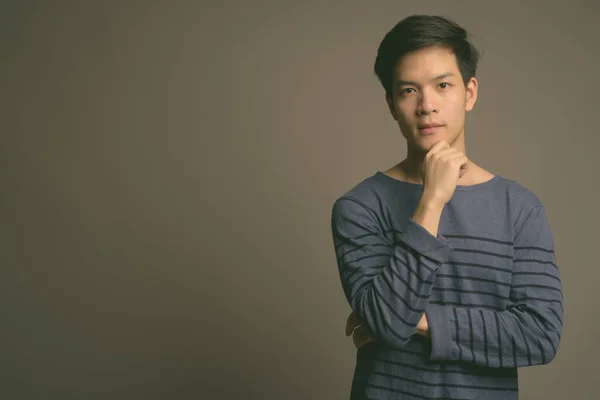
428, 129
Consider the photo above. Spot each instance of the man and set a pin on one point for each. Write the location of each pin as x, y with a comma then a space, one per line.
449, 269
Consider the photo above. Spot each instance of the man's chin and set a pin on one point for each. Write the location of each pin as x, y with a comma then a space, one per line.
422, 148
421, 145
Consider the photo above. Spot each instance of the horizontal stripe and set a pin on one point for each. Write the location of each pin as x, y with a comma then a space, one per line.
478, 238
466, 264
417, 365
531, 273
458, 304
399, 297
531, 260
520, 248
446, 385
537, 286
472, 278
385, 255
403, 391
466, 291
364, 246
487, 253
525, 299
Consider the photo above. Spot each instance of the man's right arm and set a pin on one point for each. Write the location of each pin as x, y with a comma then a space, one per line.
428, 214
386, 283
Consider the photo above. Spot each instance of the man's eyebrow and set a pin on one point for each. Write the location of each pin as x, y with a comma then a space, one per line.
401, 82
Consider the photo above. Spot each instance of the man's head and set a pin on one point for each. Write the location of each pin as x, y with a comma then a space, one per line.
427, 68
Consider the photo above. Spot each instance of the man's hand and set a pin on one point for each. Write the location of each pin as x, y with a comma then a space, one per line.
361, 335
423, 327
442, 167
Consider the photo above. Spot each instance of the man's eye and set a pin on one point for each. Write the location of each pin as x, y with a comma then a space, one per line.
444, 85
407, 90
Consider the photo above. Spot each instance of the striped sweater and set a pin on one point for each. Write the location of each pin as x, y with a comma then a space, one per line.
488, 283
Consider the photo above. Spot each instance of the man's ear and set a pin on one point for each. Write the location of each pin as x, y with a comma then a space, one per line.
471, 93
390, 102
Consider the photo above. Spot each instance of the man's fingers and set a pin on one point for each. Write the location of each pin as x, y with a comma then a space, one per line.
362, 342
440, 145
349, 325
358, 337
352, 322
361, 336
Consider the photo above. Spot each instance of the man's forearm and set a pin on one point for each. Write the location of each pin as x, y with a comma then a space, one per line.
515, 337
355, 325
428, 214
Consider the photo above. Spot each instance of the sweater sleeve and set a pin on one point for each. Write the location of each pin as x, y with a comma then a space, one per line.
386, 282
528, 331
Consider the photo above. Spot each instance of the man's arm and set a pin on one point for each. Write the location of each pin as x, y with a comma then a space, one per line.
387, 284
528, 332
361, 336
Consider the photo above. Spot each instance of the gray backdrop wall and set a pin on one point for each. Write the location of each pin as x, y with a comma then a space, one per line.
168, 170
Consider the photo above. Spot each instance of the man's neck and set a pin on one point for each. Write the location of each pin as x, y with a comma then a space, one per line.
411, 169
412, 166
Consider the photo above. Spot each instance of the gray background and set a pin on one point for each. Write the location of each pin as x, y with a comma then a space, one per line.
168, 171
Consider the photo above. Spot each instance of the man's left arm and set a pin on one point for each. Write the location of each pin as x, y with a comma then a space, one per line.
528, 332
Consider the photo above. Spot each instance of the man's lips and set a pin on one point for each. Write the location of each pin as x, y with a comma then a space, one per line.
428, 129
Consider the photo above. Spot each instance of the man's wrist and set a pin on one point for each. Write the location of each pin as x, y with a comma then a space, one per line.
428, 214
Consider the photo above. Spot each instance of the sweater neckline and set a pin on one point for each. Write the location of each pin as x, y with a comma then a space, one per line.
475, 186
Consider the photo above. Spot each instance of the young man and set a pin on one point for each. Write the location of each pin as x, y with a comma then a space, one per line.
449, 269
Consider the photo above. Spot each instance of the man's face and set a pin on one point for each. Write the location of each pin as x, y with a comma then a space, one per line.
430, 99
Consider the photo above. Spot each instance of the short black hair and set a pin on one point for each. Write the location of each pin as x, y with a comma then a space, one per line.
420, 31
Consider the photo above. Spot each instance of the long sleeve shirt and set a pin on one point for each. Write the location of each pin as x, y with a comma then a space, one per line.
488, 284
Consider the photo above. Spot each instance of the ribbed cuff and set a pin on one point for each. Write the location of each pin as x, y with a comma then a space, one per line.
423, 242
440, 332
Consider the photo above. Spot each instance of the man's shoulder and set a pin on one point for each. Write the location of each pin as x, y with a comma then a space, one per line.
367, 190
366, 193
520, 195
522, 203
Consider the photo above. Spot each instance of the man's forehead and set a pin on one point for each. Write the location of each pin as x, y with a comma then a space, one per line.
428, 62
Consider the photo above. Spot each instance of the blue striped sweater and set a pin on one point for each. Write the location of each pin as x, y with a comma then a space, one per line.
488, 283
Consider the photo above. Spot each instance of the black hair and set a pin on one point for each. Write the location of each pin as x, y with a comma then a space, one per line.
420, 31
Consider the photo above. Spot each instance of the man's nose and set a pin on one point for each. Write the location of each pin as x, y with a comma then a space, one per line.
426, 104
